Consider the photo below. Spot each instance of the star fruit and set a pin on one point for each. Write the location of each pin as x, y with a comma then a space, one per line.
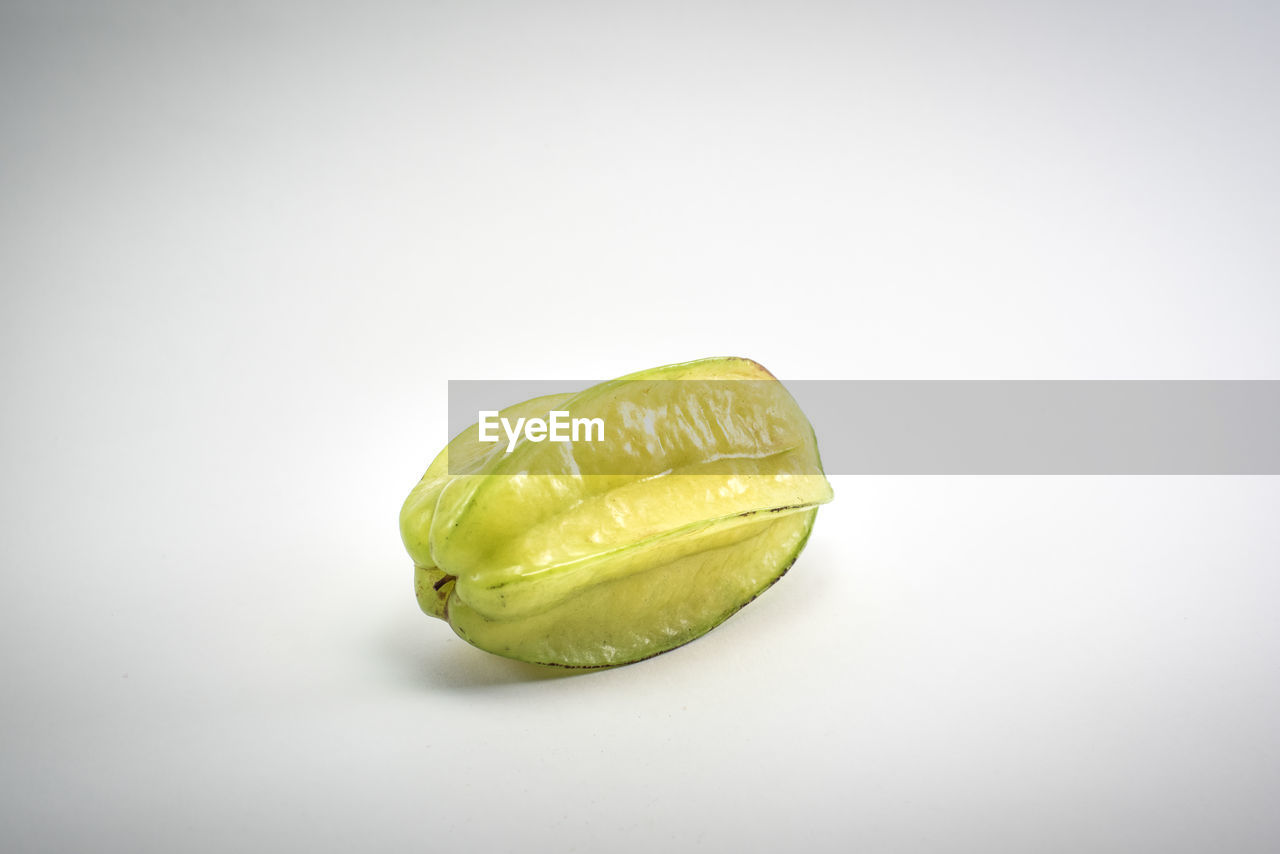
700, 494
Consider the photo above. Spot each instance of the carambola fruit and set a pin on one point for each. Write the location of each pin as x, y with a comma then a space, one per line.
700, 495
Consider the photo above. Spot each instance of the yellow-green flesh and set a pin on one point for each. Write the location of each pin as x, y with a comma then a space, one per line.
640, 615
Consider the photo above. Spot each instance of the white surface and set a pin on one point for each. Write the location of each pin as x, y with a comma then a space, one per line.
242, 250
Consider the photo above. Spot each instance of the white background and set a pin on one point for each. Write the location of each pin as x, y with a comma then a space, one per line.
244, 246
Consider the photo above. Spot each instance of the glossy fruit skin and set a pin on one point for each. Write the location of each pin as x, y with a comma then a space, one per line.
584, 564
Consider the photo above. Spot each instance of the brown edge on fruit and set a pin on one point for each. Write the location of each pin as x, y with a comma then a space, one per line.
777, 509
757, 364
